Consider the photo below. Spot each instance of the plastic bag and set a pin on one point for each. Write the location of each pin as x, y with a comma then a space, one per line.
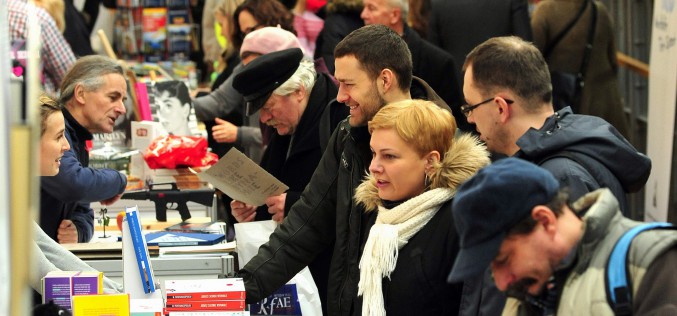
298, 297
179, 151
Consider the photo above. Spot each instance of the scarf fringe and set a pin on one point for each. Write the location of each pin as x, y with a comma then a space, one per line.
379, 264
391, 232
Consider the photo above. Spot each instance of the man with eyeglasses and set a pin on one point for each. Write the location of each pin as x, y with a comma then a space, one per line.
508, 84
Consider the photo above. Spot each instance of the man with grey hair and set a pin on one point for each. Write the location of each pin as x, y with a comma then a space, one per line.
291, 97
431, 63
92, 95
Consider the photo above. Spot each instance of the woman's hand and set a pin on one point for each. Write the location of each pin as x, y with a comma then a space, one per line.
224, 131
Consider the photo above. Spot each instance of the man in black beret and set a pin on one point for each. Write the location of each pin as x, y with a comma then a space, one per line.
292, 98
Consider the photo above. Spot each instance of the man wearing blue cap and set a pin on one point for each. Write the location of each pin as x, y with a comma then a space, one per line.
551, 256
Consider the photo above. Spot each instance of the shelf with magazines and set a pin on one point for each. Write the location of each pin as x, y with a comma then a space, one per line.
154, 30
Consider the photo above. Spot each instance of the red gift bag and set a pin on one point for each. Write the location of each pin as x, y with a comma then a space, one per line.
179, 151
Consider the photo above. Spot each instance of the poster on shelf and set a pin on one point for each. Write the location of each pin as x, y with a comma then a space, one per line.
171, 106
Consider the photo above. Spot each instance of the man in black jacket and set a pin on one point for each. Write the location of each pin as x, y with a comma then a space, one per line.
373, 67
292, 98
430, 62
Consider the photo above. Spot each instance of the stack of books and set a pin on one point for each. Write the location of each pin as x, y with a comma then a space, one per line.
62, 286
210, 295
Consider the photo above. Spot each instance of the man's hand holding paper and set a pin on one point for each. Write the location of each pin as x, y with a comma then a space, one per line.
244, 181
243, 212
276, 206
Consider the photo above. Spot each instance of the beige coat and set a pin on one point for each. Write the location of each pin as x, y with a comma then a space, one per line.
601, 96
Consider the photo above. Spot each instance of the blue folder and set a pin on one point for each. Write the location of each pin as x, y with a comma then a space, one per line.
170, 239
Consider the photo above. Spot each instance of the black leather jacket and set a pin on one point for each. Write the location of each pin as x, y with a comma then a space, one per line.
326, 213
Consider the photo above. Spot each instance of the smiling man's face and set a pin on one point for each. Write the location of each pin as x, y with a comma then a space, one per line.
357, 91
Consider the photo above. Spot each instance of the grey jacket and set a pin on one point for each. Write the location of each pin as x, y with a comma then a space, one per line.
50, 256
222, 102
584, 290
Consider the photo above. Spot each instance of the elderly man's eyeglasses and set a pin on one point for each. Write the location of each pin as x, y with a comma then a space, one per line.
467, 109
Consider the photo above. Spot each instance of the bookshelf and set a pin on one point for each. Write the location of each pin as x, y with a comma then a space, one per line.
154, 30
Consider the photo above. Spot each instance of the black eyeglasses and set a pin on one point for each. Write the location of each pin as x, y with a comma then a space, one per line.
467, 109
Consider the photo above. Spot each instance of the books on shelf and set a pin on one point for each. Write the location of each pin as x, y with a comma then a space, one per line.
207, 289
210, 313
62, 286
205, 295
206, 305
154, 33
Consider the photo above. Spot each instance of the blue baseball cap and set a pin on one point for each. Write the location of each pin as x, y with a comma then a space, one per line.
491, 203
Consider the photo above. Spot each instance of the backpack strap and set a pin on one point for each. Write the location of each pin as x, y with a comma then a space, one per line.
617, 279
548, 49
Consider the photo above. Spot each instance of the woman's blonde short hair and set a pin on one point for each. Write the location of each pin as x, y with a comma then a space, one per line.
48, 106
421, 123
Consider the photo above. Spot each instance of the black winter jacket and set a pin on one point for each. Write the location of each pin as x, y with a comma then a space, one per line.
607, 159
324, 214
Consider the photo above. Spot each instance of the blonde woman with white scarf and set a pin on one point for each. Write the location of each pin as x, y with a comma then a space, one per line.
416, 167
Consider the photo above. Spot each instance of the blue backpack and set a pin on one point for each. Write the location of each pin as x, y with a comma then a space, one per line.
618, 281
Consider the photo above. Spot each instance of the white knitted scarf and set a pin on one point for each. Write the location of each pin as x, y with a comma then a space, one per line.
392, 230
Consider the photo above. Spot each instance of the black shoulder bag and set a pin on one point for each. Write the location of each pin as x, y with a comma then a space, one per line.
567, 87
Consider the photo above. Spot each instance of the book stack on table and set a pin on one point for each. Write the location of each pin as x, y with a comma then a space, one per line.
62, 286
209, 295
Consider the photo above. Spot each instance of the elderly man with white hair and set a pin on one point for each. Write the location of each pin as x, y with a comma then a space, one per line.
224, 100
292, 98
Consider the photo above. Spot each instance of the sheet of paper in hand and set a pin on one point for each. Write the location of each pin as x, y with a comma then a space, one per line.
242, 179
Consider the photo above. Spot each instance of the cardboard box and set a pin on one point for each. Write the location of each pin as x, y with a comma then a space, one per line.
144, 132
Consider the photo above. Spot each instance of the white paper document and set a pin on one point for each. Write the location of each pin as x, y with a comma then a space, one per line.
242, 179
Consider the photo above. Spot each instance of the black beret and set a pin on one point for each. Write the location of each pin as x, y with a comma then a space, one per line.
263, 75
